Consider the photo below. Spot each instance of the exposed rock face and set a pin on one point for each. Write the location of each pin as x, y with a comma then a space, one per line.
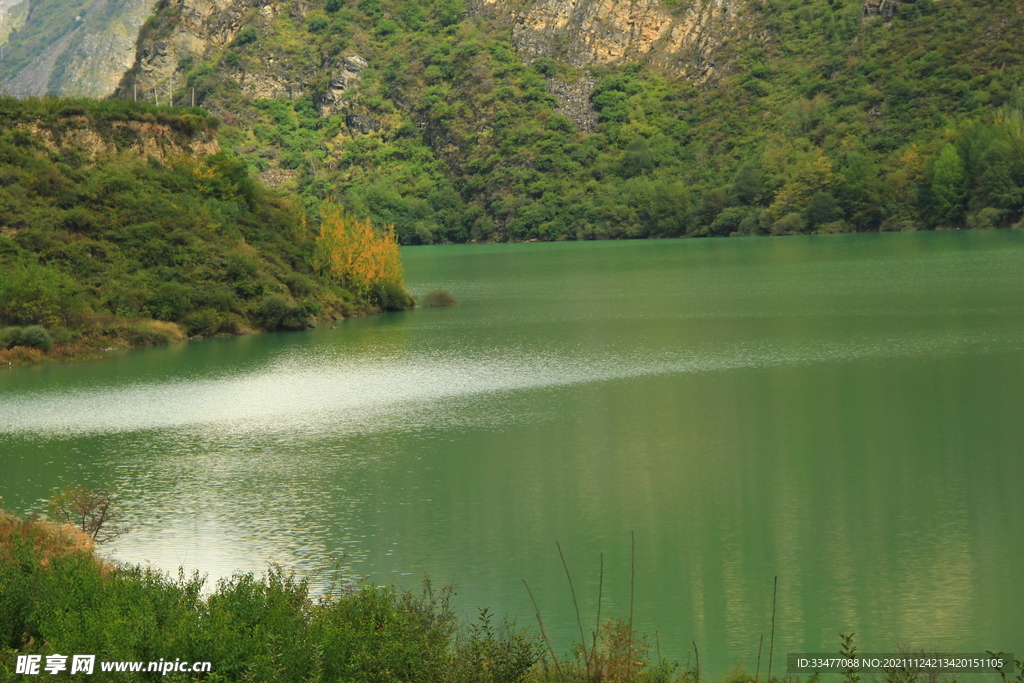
91, 59
276, 177
8, 22
684, 40
148, 139
344, 79
202, 28
574, 101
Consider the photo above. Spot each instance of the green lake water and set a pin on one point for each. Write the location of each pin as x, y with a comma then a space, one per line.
843, 412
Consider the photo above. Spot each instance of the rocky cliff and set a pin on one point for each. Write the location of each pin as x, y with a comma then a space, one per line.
194, 30
161, 140
681, 38
87, 60
685, 39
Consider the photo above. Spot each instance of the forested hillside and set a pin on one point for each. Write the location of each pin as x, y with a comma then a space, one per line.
119, 227
821, 116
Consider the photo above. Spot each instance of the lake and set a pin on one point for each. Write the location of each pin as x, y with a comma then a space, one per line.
842, 412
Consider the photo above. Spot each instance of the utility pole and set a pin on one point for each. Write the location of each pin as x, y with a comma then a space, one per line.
135, 91
193, 96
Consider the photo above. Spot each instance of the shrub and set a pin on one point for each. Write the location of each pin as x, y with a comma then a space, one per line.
275, 312
298, 284
488, 653
9, 337
247, 35
202, 323
790, 224
233, 324
545, 66
171, 301
439, 297
36, 295
58, 597
33, 337
391, 296
988, 218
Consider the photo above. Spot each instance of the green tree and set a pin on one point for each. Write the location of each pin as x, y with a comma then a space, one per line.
859, 191
748, 188
36, 295
637, 158
949, 185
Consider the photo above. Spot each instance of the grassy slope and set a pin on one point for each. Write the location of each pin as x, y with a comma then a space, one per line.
97, 250
834, 123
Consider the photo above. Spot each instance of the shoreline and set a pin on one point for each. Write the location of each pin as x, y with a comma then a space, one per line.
104, 346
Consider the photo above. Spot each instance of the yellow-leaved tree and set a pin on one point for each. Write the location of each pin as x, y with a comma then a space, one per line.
361, 258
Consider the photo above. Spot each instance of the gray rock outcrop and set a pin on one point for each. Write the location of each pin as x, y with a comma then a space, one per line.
91, 59
685, 40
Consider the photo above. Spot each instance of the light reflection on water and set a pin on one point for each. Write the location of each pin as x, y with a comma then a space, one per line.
310, 390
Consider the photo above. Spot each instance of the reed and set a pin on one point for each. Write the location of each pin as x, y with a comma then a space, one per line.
771, 647
544, 631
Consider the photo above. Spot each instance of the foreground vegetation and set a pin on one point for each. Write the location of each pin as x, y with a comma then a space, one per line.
101, 249
822, 120
58, 596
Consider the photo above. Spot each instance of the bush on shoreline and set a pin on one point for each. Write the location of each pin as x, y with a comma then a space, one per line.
57, 596
32, 337
439, 297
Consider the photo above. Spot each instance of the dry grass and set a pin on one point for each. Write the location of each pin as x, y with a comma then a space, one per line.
173, 332
51, 540
98, 333
21, 355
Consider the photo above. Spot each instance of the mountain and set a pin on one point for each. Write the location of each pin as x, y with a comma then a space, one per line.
502, 120
71, 47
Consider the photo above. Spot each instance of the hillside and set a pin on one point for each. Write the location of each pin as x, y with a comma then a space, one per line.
69, 47
554, 120
125, 225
